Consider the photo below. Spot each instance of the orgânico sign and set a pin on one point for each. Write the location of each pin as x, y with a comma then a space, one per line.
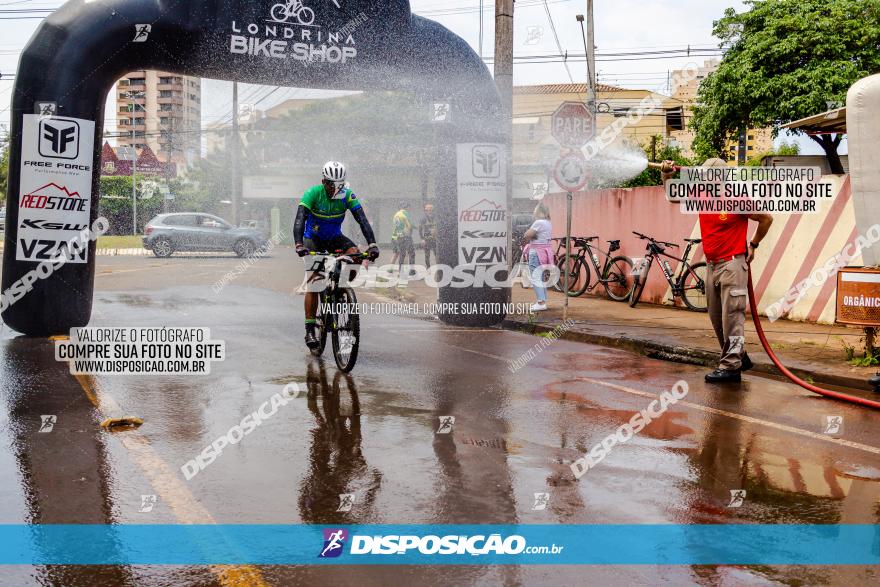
573, 125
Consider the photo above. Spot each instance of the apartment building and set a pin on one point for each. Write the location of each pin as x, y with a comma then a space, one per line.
162, 110
749, 144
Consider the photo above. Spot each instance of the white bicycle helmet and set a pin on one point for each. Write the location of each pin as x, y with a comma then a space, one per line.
334, 171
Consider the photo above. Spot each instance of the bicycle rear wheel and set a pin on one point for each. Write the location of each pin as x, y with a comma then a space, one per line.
346, 329
639, 285
693, 288
618, 279
579, 277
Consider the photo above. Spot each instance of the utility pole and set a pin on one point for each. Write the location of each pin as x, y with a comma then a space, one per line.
504, 81
591, 52
235, 154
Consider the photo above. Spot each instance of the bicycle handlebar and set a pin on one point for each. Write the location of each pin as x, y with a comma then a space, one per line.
655, 241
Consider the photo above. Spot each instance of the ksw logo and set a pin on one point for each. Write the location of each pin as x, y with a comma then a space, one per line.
59, 138
482, 234
334, 541
46, 225
486, 161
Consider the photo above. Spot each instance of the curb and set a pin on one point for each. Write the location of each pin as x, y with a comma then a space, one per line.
681, 354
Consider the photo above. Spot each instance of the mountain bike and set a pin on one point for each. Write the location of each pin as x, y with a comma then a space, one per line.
338, 313
615, 274
687, 282
293, 8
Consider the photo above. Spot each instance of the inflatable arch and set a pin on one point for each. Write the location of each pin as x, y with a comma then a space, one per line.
81, 50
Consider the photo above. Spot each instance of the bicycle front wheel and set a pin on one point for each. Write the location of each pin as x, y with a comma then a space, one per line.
639, 284
321, 329
579, 276
347, 329
618, 279
693, 288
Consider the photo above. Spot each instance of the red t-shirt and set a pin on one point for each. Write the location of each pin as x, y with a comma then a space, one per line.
724, 235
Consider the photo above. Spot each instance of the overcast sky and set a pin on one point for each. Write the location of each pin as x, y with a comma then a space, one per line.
621, 26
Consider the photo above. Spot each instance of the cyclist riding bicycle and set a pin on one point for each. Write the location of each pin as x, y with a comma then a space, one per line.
318, 227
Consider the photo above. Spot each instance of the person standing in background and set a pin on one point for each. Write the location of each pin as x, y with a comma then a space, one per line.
402, 236
538, 251
428, 233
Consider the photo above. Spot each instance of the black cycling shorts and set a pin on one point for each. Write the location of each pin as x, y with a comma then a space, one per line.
337, 243
331, 245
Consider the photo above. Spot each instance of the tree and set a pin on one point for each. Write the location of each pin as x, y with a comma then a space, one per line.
785, 60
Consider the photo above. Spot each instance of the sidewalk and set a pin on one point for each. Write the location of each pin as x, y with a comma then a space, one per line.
812, 351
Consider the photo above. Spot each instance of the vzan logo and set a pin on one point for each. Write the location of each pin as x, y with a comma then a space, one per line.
290, 32
59, 138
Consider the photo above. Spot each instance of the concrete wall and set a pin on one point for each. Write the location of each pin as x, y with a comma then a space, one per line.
795, 247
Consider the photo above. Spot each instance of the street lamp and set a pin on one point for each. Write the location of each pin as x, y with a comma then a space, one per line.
132, 95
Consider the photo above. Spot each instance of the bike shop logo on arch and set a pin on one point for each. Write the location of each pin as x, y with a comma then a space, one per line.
292, 31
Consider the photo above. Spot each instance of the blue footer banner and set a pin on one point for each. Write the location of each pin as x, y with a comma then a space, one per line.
740, 544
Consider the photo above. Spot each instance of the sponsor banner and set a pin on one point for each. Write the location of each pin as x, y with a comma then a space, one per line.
482, 204
292, 31
636, 544
56, 187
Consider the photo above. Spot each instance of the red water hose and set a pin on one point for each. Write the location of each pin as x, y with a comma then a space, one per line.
824, 392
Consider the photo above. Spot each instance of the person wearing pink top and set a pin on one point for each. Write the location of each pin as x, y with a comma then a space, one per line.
538, 251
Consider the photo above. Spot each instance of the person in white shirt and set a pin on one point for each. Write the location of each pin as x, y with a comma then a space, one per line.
539, 252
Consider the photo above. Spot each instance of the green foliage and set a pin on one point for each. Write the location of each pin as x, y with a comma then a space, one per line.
115, 204
784, 150
785, 60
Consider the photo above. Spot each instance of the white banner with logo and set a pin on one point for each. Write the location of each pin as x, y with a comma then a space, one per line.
56, 187
482, 204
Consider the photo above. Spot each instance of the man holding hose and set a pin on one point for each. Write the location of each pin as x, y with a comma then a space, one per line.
728, 255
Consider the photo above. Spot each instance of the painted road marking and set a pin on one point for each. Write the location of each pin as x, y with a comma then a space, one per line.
702, 408
166, 484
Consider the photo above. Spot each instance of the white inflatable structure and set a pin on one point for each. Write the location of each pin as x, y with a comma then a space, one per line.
863, 130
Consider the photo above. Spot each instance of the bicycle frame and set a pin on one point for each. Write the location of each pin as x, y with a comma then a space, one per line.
582, 253
673, 279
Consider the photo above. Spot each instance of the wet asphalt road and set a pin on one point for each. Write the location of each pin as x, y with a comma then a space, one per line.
373, 434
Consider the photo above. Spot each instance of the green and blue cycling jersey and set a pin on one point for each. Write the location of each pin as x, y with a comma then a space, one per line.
326, 214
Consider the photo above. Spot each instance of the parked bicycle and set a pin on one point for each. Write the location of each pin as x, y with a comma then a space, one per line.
615, 274
337, 309
688, 282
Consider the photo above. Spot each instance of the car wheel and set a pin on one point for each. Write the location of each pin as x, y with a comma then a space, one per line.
162, 247
244, 247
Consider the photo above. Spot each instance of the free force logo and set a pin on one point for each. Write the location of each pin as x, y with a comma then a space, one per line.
334, 542
59, 138
486, 162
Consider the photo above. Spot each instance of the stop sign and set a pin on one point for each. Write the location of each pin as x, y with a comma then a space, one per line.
573, 125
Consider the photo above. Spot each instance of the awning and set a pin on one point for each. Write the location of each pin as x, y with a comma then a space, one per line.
833, 121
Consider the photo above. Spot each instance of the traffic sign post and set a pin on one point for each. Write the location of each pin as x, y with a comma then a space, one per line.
570, 173
573, 125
